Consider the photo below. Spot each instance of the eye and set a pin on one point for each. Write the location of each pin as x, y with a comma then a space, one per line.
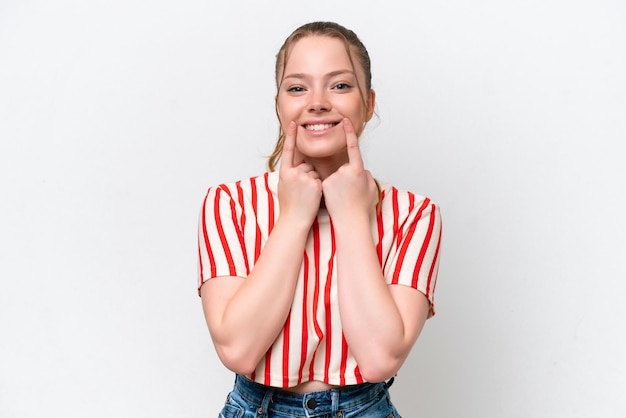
342, 86
295, 89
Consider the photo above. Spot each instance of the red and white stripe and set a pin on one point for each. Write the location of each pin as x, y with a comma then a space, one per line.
235, 222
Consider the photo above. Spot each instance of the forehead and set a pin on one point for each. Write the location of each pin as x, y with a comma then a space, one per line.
318, 54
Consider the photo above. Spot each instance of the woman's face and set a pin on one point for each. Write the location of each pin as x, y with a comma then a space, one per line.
318, 90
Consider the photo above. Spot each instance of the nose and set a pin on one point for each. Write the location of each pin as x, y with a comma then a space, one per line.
319, 101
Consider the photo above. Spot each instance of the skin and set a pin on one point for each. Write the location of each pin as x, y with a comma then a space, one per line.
319, 87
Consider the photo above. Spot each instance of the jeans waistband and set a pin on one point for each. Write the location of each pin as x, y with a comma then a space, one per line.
319, 402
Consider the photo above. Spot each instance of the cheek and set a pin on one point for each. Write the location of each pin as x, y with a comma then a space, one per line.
285, 111
353, 107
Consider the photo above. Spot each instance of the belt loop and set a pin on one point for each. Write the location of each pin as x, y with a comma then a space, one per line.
267, 398
334, 396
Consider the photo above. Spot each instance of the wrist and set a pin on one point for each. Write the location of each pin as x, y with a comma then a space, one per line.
351, 223
294, 224
350, 214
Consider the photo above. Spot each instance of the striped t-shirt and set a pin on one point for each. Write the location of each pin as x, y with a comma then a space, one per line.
235, 222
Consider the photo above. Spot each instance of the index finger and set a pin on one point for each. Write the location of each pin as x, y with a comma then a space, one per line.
289, 144
352, 144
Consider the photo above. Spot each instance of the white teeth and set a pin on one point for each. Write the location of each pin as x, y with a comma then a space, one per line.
319, 126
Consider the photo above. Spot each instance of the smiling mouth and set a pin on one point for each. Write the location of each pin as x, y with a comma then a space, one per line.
319, 126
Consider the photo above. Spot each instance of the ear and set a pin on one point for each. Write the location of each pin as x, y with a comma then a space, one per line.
371, 105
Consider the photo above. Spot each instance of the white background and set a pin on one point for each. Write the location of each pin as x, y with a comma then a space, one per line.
117, 115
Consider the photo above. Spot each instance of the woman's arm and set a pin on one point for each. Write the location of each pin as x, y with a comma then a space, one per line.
245, 316
381, 322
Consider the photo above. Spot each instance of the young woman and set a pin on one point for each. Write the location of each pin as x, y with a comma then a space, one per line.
316, 279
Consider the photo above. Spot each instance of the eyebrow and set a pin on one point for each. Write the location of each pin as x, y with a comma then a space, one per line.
329, 75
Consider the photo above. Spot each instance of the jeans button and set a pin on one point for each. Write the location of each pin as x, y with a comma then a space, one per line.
311, 403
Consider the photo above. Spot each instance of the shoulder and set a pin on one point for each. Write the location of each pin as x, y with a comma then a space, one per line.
258, 195
401, 201
264, 183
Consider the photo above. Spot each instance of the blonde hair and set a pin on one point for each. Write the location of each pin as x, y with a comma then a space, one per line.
333, 30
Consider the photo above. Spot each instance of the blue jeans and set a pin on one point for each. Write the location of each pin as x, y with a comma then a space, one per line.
252, 400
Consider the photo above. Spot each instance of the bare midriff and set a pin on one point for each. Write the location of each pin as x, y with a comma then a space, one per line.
312, 386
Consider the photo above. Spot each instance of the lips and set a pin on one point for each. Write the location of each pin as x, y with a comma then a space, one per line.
319, 126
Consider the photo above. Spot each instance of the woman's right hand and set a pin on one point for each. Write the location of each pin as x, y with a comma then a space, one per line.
299, 185
232, 303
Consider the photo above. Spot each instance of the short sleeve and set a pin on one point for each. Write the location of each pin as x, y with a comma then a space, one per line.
221, 244
414, 256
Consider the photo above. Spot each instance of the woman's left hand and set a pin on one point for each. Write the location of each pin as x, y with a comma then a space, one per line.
351, 190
